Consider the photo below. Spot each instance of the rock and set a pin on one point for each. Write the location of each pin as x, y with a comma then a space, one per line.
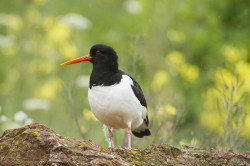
36, 144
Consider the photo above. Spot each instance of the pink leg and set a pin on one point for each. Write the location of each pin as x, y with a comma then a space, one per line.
129, 132
111, 138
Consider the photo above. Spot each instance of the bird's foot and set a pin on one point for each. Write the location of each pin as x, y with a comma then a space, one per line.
132, 149
129, 133
128, 148
111, 138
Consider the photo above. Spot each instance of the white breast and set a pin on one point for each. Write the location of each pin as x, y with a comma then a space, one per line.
116, 106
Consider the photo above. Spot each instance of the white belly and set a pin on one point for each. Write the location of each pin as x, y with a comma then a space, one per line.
116, 106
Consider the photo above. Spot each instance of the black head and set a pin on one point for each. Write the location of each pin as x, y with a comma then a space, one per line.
103, 55
105, 65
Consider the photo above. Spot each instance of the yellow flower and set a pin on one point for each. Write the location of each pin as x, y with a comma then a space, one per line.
234, 54
161, 116
13, 22
88, 115
160, 112
160, 79
189, 72
48, 23
10, 50
178, 65
183, 142
171, 110
5, 88
212, 121
243, 69
32, 13
246, 132
176, 36
224, 76
58, 34
194, 142
210, 96
165, 111
49, 89
69, 51
175, 58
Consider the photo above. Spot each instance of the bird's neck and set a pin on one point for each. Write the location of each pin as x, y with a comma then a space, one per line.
104, 69
102, 74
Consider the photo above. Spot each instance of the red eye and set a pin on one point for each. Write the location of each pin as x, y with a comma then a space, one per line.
98, 52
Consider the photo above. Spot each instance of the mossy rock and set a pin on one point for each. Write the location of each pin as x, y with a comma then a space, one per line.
36, 144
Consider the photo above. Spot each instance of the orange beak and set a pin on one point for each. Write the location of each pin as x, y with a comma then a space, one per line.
77, 60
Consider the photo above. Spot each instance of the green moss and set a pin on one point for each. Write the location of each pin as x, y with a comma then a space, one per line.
16, 142
2, 147
34, 133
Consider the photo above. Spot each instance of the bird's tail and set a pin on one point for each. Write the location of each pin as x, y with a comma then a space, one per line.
141, 132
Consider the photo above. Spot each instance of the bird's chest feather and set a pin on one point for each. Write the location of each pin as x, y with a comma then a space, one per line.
116, 105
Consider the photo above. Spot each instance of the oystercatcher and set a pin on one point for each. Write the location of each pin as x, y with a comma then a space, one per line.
115, 98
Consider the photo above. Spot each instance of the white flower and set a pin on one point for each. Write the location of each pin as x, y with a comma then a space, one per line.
133, 7
28, 121
36, 104
6, 40
20, 116
83, 81
76, 21
11, 20
3, 118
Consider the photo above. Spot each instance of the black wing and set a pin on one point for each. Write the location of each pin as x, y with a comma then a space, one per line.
140, 96
137, 90
143, 130
138, 93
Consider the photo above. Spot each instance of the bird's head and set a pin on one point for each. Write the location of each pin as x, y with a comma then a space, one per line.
99, 54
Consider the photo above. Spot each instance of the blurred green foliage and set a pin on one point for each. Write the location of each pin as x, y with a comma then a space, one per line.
188, 56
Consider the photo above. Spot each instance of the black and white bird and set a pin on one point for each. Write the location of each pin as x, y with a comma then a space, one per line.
115, 98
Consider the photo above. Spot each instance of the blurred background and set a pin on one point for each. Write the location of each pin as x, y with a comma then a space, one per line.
190, 57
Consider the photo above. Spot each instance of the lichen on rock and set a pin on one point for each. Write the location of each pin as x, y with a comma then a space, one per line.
36, 144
